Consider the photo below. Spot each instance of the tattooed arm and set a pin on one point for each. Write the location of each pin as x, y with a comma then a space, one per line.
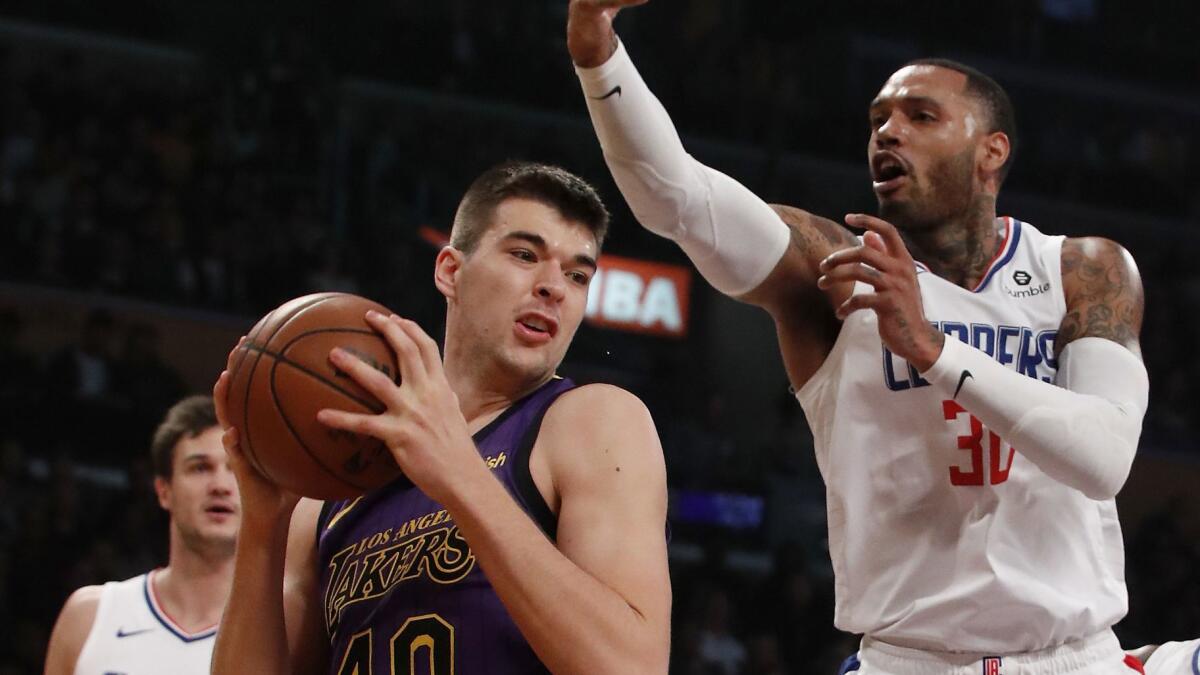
805, 322
1104, 294
1083, 429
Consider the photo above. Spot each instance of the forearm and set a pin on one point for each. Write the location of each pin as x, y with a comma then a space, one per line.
253, 637
734, 238
1083, 433
573, 622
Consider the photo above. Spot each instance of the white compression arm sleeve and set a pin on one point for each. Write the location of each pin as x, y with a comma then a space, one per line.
734, 238
1083, 432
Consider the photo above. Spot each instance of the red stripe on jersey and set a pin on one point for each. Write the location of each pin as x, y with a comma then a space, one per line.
1008, 228
157, 607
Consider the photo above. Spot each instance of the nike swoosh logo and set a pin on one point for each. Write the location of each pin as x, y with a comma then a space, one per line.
962, 379
122, 634
615, 90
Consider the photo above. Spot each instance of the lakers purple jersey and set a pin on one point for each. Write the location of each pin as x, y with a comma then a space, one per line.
403, 594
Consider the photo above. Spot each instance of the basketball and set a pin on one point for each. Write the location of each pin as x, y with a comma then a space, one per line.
280, 376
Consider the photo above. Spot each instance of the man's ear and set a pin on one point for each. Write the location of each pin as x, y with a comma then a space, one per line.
162, 489
996, 149
445, 271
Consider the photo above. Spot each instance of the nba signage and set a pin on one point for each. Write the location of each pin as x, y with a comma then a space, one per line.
626, 294
640, 296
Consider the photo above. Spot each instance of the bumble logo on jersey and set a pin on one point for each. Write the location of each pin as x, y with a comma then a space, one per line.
1021, 284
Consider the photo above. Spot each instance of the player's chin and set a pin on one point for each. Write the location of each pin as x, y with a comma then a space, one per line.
219, 526
897, 210
532, 363
220, 538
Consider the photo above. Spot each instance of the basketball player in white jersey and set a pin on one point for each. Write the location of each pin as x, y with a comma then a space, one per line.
974, 386
165, 621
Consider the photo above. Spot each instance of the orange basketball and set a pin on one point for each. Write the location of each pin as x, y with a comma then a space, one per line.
281, 376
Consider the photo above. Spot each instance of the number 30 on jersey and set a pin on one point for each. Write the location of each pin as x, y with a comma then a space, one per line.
996, 471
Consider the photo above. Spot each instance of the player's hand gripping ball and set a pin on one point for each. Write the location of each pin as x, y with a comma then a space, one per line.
281, 375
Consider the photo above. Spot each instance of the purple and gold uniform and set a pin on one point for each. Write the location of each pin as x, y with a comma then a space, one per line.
402, 591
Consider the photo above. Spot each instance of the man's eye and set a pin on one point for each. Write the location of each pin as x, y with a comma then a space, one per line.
524, 254
579, 278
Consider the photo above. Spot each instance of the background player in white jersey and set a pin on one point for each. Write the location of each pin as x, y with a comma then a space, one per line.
164, 621
971, 471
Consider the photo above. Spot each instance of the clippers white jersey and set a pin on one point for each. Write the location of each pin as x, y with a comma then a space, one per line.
132, 635
942, 536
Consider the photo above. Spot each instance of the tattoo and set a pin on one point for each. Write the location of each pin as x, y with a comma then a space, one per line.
813, 235
959, 250
1103, 291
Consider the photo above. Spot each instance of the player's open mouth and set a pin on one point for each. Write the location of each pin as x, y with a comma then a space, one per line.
888, 172
219, 510
535, 327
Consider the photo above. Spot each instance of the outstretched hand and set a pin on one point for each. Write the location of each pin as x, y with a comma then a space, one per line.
422, 425
883, 261
590, 36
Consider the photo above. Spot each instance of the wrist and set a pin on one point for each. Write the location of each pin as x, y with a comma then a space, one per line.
930, 352
265, 525
465, 489
591, 40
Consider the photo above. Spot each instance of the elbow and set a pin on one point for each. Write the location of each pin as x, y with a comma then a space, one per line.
661, 203
639, 664
1105, 484
643, 656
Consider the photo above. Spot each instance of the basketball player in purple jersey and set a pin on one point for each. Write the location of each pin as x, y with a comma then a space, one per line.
530, 538
970, 472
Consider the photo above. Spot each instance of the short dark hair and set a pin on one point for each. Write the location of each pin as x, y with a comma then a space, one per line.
994, 99
186, 419
553, 186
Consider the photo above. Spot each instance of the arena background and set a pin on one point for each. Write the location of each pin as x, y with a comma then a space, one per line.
170, 170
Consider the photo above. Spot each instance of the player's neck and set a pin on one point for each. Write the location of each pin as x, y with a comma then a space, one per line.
483, 393
961, 249
193, 587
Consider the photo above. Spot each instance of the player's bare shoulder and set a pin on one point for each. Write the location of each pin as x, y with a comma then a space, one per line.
600, 425
71, 629
1103, 292
597, 409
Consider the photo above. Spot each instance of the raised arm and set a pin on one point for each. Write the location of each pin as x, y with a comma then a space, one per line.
272, 624
734, 238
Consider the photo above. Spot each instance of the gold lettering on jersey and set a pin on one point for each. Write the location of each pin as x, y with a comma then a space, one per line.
495, 461
378, 562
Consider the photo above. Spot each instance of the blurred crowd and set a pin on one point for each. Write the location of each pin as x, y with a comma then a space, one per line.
262, 172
